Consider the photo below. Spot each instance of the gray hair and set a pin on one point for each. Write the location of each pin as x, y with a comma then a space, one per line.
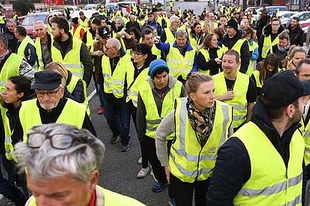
173, 18
80, 160
40, 22
115, 43
11, 21
119, 21
181, 33
4, 40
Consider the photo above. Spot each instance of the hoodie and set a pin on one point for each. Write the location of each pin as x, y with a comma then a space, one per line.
233, 168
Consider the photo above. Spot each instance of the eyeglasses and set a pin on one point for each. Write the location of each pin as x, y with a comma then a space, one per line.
58, 141
135, 53
48, 93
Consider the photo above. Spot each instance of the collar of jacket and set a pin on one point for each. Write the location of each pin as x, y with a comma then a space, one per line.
188, 46
267, 30
235, 38
171, 82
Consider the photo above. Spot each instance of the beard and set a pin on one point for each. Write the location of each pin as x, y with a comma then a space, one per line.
57, 37
48, 106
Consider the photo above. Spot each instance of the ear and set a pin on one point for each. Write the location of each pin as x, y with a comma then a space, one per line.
20, 95
290, 110
62, 92
192, 96
94, 179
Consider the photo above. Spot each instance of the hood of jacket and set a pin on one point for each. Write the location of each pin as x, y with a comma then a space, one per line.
267, 30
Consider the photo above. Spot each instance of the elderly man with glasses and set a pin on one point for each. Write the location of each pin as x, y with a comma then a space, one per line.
62, 164
49, 107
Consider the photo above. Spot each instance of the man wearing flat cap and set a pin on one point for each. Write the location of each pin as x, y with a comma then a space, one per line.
233, 41
262, 163
50, 106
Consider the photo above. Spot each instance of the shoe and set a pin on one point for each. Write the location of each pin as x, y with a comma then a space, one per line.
140, 161
159, 186
115, 139
125, 148
172, 202
143, 172
100, 111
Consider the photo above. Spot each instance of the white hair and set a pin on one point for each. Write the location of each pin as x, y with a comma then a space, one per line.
119, 21
83, 157
174, 18
181, 33
11, 21
115, 43
40, 22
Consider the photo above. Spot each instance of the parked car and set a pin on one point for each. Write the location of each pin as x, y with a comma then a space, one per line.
284, 16
272, 9
111, 6
125, 4
87, 13
29, 20
91, 7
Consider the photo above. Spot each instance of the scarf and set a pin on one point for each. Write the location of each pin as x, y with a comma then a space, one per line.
201, 121
284, 49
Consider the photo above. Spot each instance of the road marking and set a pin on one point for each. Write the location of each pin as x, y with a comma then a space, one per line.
91, 95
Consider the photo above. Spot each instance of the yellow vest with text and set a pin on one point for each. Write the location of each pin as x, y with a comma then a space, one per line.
71, 86
72, 60
114, 83
271, 182
179, 64
239, 102
73, 113
190, 162
134, 85
104, 197
206, 55
10, 68
267, 46
8, 146
152, 115
252, 63
84, 23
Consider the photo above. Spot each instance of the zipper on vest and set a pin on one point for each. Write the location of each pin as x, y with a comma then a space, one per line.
198, 164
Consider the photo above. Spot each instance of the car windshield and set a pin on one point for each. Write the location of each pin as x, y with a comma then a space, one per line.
30, 20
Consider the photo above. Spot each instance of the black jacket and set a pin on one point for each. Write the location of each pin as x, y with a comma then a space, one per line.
77, 93
210, 65
296, 35
233, 169
244, 51
267, 32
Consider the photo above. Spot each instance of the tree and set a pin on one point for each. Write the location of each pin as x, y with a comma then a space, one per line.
23, 6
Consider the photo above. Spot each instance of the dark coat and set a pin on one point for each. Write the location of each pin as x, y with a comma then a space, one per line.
297, 35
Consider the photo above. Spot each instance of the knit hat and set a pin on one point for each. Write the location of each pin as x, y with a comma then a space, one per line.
155, 65
232, 23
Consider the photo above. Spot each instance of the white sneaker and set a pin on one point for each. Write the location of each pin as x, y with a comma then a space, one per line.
143, 173
140, 161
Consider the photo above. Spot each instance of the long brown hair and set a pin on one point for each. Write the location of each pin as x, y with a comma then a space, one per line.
206, 44
271, 59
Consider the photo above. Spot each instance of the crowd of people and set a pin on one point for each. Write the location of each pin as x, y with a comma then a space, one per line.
219, 102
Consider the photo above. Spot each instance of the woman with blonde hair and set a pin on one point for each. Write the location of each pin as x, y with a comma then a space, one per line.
209, 55
75, 88
295, 54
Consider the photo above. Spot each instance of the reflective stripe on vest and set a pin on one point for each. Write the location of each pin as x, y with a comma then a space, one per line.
239, 102
73, 113
271, 182
236, 47
152, 116
10, 68
306, 135
72, 60
8, 146
267, 46
71, 86
135, 84
179, 64
188, 160
252, 63
206, 55
114, 83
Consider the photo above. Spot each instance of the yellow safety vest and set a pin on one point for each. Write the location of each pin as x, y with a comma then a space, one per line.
152, 115
190, 162
179, 64
252, 63
77, 32
84, 23
110, 199
206, 54
194, 42
170, 38
2, 19
73, 113
306, 134
271, 182
267, 46
134, 85
114, 34
38, 47
89, 41
9, 148
114, 83
71, 86
72, 60
159, 20
156, 52
259, 84
10, 68
236, 47
22, 47
239, 102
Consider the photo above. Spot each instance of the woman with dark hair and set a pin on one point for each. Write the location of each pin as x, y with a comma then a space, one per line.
269, 67
17, 89
195, 36
131, 38
209, 55
137, 74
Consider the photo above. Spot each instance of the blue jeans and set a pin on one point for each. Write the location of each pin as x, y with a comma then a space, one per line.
118, 119
100, 93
